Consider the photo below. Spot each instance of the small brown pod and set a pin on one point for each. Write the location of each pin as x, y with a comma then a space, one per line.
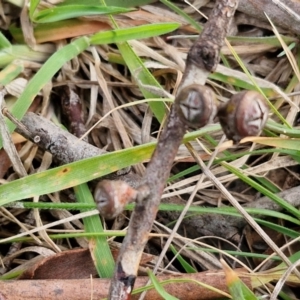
196, 105
245, 114
111, 197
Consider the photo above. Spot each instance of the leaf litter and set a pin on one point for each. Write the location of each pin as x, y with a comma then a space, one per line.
100, 79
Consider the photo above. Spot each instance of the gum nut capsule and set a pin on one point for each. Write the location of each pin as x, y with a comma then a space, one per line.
196, 105
245, 114
111, 197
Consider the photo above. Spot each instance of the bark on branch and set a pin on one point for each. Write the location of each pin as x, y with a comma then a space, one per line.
283, 13
202, 59
63, 145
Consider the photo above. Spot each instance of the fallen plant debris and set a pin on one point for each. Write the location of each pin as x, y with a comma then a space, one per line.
183, 287
284, 13
203, 224
72, 264
64, 146
105, 88
226, 226
202, 59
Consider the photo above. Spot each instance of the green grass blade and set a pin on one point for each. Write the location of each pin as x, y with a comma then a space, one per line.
11, 275
129, 3
72, 174
138, 69
105, 234
267, 184
44, 75
234, 253
285, 143
138, 32
21, 52
54, 205
99, 247
134, 63
280, 229
187, 267
164, 207
237, 82
237, 288
231, 157
33, 4
142, 74
180, 12
159, 288
4, 42
60, 13
11, 71
261, 189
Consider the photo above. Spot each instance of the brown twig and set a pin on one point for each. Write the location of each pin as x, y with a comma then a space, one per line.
64, 146
283, 13
144, 213
202, 59
98, 288
204, 55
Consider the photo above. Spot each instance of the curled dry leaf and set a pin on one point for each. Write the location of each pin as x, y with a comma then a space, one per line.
245, 114
111, 197
197, 105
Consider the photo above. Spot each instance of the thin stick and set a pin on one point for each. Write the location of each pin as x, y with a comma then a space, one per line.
183, 213
202, 59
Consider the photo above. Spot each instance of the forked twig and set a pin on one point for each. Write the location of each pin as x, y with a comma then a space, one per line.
202, 59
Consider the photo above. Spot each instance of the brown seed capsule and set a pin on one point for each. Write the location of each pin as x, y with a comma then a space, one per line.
112, 196
245, 114
196, 105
